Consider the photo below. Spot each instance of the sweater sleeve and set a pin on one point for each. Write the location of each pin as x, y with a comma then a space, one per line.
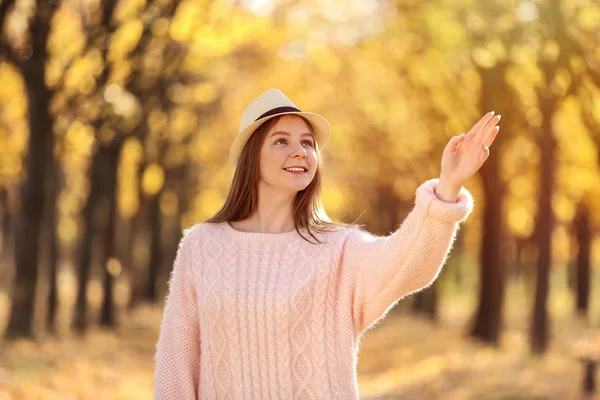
177, 354
390, 267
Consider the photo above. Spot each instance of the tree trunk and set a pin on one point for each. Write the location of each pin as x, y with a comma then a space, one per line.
488, 318
7, 250
155, 246
572, 264
177, 181
539, 327
108, 317
33, 196
132, 268
6, 225
425, 302
52, 237
457, 267
519, 259
80, 322
172, 228
100, 163
135, 223
584, 237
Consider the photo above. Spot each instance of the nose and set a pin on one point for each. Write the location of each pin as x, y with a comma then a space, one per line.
299, 151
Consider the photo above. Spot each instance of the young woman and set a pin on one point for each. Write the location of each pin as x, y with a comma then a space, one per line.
268, 299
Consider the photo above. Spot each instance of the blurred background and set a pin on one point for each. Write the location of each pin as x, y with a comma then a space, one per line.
116, 119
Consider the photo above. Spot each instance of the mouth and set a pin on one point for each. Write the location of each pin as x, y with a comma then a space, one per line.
296, 171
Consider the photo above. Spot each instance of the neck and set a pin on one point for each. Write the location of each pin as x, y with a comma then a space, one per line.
274, 214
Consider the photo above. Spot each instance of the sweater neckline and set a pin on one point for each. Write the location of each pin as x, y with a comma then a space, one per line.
261, 236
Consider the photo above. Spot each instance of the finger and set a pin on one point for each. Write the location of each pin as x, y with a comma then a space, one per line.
479, 125
491, 136
481, 136
455, 141
460, 140
485, 153
489, 126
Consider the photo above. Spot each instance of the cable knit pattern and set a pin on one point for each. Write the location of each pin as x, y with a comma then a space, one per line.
270, 316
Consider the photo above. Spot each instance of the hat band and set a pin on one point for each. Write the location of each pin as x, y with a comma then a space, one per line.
277, 110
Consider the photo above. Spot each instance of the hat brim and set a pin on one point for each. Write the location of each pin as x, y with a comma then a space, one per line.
321, 126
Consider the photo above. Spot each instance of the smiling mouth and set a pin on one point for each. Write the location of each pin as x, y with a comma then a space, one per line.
296, 172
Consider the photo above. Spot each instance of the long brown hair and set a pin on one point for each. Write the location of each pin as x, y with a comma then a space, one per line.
242, 200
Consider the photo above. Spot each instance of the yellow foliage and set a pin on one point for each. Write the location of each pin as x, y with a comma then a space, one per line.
563, 207
550, 50
80, 136
128, 203
204, 93
520, 221
125, 39
153, 179
212, 42
452, 34
160, 27
121, 71
169, 203
113, 266
497, 48
578, 149
132, 150
127, 197
66, 40
588, 17
79, 78
157, 121
175, 156
204, 144
483, 57
67, 230
333, 200
519, 152
129, 9
520, 207
178, 93
561, 81
195, 60
183, 120
326, 60
106, 134
187, 18
245, 29
12, 93
207, 204
534, 116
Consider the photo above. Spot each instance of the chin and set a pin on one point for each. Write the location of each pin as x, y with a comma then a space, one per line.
298, 187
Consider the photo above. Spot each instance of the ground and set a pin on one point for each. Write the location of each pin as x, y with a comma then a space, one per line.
403, 357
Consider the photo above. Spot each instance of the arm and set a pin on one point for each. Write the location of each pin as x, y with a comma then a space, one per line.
391, 267
178, 350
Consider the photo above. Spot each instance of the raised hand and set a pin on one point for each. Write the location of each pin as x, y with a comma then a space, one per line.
465, 154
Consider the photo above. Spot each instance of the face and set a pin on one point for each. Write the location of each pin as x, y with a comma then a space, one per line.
289, 143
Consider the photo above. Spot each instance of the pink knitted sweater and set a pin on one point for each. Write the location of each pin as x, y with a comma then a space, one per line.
270, 316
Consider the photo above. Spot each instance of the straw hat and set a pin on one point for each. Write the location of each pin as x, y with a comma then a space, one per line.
266, 106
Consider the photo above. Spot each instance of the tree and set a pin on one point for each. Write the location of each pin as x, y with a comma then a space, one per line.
39, 158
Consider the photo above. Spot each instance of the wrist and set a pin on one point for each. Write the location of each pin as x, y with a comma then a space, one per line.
446, 191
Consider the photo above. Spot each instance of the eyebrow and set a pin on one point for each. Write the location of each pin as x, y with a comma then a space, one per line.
284, 133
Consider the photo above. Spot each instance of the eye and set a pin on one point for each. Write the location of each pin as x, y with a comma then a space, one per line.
305, 142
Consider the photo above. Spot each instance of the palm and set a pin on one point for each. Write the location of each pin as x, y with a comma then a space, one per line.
465, 154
